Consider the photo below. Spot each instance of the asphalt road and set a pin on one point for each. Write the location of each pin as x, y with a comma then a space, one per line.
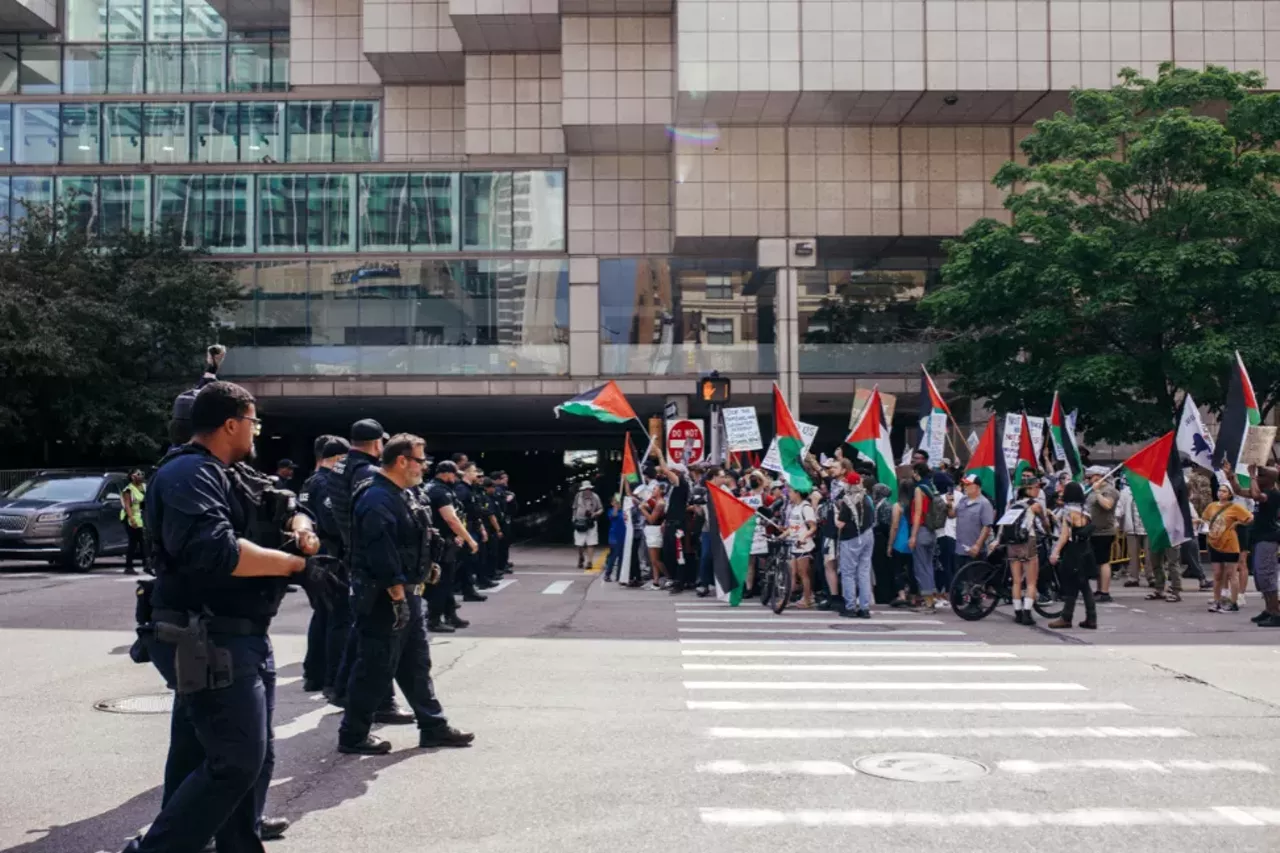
618, 720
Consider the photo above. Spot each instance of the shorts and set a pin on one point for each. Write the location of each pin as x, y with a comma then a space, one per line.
1229, 558
1023, 552
653, 536
586, 538
796, 554
759, 542
1265, 569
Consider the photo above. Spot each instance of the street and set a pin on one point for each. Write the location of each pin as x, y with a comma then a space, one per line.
619, 720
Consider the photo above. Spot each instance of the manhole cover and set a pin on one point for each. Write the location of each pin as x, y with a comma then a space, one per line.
920, 767
156, 703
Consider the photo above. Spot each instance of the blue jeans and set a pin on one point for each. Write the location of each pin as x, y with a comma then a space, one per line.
706, 567
614, 563
855, 570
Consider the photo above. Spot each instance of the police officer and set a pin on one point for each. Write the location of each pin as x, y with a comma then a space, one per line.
327, 634
389, 566
510, 507
451, 527
214, 597
469, 565
493, 518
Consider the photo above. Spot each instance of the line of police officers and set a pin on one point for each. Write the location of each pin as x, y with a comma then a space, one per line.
226, 542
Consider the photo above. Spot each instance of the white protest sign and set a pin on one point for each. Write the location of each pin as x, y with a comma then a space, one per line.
972, 441
1013, 435
742, 429
933, 437
772, 459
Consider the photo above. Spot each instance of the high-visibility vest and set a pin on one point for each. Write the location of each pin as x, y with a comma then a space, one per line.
137, 493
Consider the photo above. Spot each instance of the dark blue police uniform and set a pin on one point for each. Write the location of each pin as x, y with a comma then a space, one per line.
469, 564
327, 633
441, 604
388, 544
221, 750
350, 471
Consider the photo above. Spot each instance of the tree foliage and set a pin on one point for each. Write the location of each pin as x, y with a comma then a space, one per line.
1144, 250
97, 336
879, 307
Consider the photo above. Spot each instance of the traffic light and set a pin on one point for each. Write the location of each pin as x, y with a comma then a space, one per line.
713, 389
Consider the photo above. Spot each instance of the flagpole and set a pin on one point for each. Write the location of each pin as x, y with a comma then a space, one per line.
952, 418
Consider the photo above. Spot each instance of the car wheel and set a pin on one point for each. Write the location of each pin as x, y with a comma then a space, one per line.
84, 550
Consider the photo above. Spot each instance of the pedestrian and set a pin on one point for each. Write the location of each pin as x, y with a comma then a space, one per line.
131, 502
391, 563
1264, 537
855, 523
825, 507
926, 520
1224, 516
1129, 522
586, 509
449, 524
882, 566
717, 478
617, 538
1100, 503
898, 548
949, 493
974, 515
1072, 554
1019, 536
654, 510
802, 528
676, 558
755, 497
327, 633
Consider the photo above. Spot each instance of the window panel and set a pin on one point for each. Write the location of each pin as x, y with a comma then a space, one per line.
330, 213
168, 133
282, 213
84, 70
8, 68
36, 131
280, 66
80, 198
310, 131
204, 68
164, 20
179, 204
40, 71
486, 211
217, 131
122, 126
125, 69
85, 20
164, 68
125, 20
384, 212
6, 137
4, 204
250, 67
282, 304
537, 216
27, 192
227, 213
432, 212
124, 202
355, 131
81, 140
262, 128
201, 22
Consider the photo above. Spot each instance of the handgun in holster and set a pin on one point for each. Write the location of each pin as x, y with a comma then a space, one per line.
198, 663
140, 651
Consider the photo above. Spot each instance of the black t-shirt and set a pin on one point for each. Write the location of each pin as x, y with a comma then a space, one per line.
1266, 518
439, 496
678, 501
852, 529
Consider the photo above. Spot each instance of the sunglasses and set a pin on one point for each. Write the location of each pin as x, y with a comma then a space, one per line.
257, 423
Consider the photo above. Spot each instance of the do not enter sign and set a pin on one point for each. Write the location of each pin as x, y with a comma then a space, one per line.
685, 441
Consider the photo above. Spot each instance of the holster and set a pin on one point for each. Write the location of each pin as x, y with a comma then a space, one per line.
140, 651
198, 663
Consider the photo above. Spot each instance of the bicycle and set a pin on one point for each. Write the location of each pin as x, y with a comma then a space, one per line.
981, 585
776, 582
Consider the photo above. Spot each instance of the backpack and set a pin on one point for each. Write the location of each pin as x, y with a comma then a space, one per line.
1017, 533
935, 517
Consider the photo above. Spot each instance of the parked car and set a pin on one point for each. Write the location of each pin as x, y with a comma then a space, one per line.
69, 519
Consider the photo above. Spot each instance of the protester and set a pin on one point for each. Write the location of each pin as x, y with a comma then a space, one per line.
974, 516
898, 548
882, 561
926, 520
855, 522
1224, 517
654, 510
1072, 553
1265, 536
586, 510
1129, 521
1101, 504
617, 538
946, 550
802, 528
1019, 536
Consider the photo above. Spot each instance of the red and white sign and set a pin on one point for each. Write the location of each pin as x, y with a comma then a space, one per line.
686, 441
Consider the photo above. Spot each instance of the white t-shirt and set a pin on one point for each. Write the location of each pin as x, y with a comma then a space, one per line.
798, 519
949, 529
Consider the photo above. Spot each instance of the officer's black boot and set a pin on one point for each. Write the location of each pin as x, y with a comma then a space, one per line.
444, 736
272, 828
371, 745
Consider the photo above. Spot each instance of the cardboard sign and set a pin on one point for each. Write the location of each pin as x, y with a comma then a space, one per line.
773, 460
742, 429
860, 399
1013, 435
1258, 441
933, 437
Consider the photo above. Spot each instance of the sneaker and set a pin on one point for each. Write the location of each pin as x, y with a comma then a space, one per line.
1261, 616
675, 589
1215, 607
649, 587
1130, 583
825, 605
1242, 600
1230, 607
1104, 597
864, 614
1269, 622
704, 591
458, 622
899, 602
1206, 585
608, 579
851, 614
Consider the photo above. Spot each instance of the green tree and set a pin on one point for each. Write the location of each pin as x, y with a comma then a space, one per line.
1144, 250
97, 336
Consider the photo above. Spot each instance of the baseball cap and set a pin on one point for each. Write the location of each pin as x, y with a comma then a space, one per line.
852, 478
447, 467
368, 430
969, 478
335, 446
286, 463
1095, 471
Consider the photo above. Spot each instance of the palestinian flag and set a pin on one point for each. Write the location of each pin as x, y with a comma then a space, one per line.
605, 403
1064, 440
630, 471
1026, 454
870, 437
987, 464
733, 524
1240, 413
1159, 493
790, 444
932, 440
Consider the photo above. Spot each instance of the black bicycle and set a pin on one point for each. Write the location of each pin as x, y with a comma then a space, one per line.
776, 582
982, 585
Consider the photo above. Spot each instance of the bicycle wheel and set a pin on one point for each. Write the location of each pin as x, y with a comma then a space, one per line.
781, 584
973, 593
1049, 588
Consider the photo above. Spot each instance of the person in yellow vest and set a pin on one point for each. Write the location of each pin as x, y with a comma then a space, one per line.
131, 515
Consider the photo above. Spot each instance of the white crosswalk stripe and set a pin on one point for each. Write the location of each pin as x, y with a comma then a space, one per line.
1219, 816
732, 705
836, 632
1030, 732
790, 620
835, 653
861, 667
979, 686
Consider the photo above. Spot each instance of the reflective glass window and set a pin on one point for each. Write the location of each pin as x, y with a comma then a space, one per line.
250, 67
8, 68
84, 69
81, 141
125, 20
179, 204
433, 212
204, 68
202, 22
36, 130
125, 69
227, 213
6, 136
486, 211
355, 131
262, 132
537, 211
164, 20
26, 191
384, 212
85, 20
282, 213
80, 199
164, 68
124, 203
122, 129
168, 133
279, 66
40, 71
310, 126
217, 133
281, 295
331, 213
4, 204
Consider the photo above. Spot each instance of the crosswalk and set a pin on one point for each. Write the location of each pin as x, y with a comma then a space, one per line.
798, 697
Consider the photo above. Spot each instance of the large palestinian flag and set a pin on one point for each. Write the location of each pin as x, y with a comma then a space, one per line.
987, 464
605, 403
870, 437
1160, 494
733, 524
932, 437
1065, 440
1026, 454
1240, 413
790, 444
630, 471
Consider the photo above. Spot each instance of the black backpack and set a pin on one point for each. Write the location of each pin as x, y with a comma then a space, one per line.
1016, 533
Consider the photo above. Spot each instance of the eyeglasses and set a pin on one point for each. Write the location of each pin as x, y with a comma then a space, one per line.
421, 460
257, 423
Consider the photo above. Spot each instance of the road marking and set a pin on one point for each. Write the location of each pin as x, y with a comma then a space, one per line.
695, 705
862, 667
1042, 733
1237, 816
985, 686
502, 584
778, 768
928, 632
788, 620
309, 721
287, 680
729, 640
275, 782
575, 574
557, 587
1027, 768
832, 653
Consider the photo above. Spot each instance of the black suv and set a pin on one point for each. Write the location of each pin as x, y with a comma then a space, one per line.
68, 519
